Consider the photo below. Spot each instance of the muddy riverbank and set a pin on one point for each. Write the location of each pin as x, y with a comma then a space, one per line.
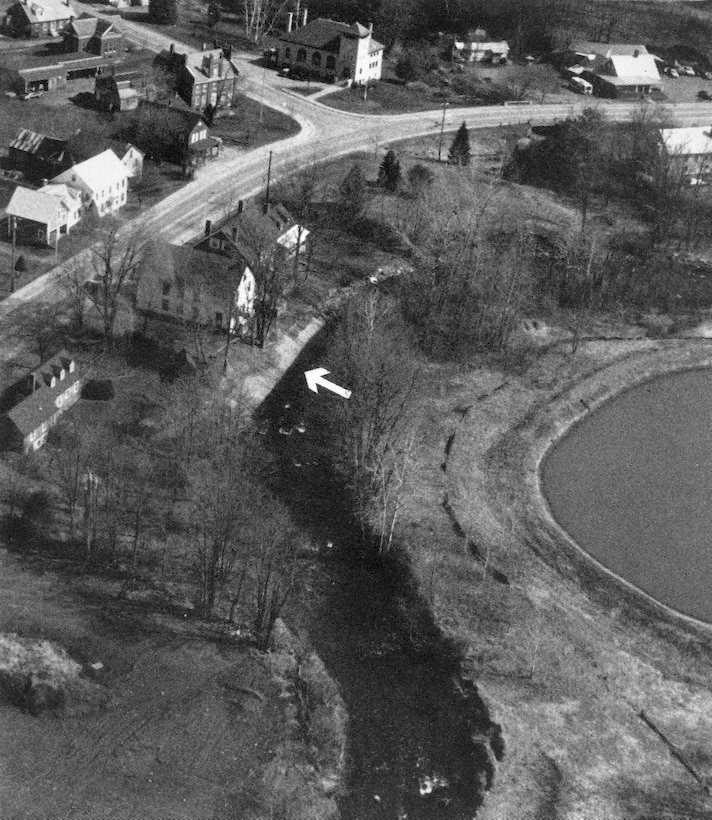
420, 742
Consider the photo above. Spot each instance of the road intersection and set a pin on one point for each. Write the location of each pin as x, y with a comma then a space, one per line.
325, 133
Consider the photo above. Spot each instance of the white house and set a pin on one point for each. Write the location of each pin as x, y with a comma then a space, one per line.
331, 50
44, 215
479, 52
103, 181
689, 151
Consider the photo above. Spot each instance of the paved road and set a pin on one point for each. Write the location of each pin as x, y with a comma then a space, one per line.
325, 134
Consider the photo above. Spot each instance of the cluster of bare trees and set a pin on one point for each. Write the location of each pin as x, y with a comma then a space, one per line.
374, 352
242, 544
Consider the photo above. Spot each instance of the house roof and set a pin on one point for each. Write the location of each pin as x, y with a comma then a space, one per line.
192, 268
190, 117
36, 206
691, 141
83, 145
84, 25
42, 11
97, 172
606, 49
628, 67
252, 232
193, 62
324, 34
41, 405
32, 142
70, 198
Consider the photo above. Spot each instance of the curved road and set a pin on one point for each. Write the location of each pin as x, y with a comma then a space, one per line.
325, 134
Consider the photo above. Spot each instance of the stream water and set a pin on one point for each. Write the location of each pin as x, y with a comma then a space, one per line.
410, 745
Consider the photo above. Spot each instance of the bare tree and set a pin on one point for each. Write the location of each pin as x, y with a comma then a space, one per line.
74, 287
115, 260
261, 16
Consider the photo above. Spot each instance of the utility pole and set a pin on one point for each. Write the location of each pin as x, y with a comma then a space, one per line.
442, 131
269, 177
262, 94
13, 223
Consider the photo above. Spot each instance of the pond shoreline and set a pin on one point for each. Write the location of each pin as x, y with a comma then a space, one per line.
602, 651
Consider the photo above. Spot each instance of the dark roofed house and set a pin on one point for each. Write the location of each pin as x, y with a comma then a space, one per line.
206, 77
332, 50
193, 143
39, 18
50, 390
95, 35
36, 155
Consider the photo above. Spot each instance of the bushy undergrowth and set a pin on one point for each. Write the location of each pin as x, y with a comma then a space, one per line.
35, 674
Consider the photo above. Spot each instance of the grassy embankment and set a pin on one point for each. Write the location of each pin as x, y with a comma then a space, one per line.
566, 657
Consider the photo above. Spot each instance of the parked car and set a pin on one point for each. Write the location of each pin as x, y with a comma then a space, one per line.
706, 75
28, 95
704, 95
672, 72
284, 72
687, 70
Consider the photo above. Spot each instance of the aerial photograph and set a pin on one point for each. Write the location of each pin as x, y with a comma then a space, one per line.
356, 410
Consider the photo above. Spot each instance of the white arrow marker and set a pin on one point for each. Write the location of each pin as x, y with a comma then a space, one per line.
315, 379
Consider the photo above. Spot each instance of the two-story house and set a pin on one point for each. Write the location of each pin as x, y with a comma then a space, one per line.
94, 35
49, 391
102, 180
191, 136
181, 284
84, 145
42, 216
206, 77
688, 153
39, 18
257, 236
331, 51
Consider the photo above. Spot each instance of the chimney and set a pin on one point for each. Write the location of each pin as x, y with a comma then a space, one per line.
370, 28
172, 49
208, 225
304, 17
290, 18
45, 182
240, 206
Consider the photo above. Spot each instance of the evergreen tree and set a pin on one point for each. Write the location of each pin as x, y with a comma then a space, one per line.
163, 11
460, 148
353, 192
389, 174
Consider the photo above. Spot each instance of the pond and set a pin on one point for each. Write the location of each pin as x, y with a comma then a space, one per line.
632, 485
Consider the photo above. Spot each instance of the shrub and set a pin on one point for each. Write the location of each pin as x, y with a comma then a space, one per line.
163, 11
35, 674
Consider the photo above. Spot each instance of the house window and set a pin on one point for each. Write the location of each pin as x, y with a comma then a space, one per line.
218, 320
301, 56
166, 288
287, 53
316, 59
164, 305
331, 62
